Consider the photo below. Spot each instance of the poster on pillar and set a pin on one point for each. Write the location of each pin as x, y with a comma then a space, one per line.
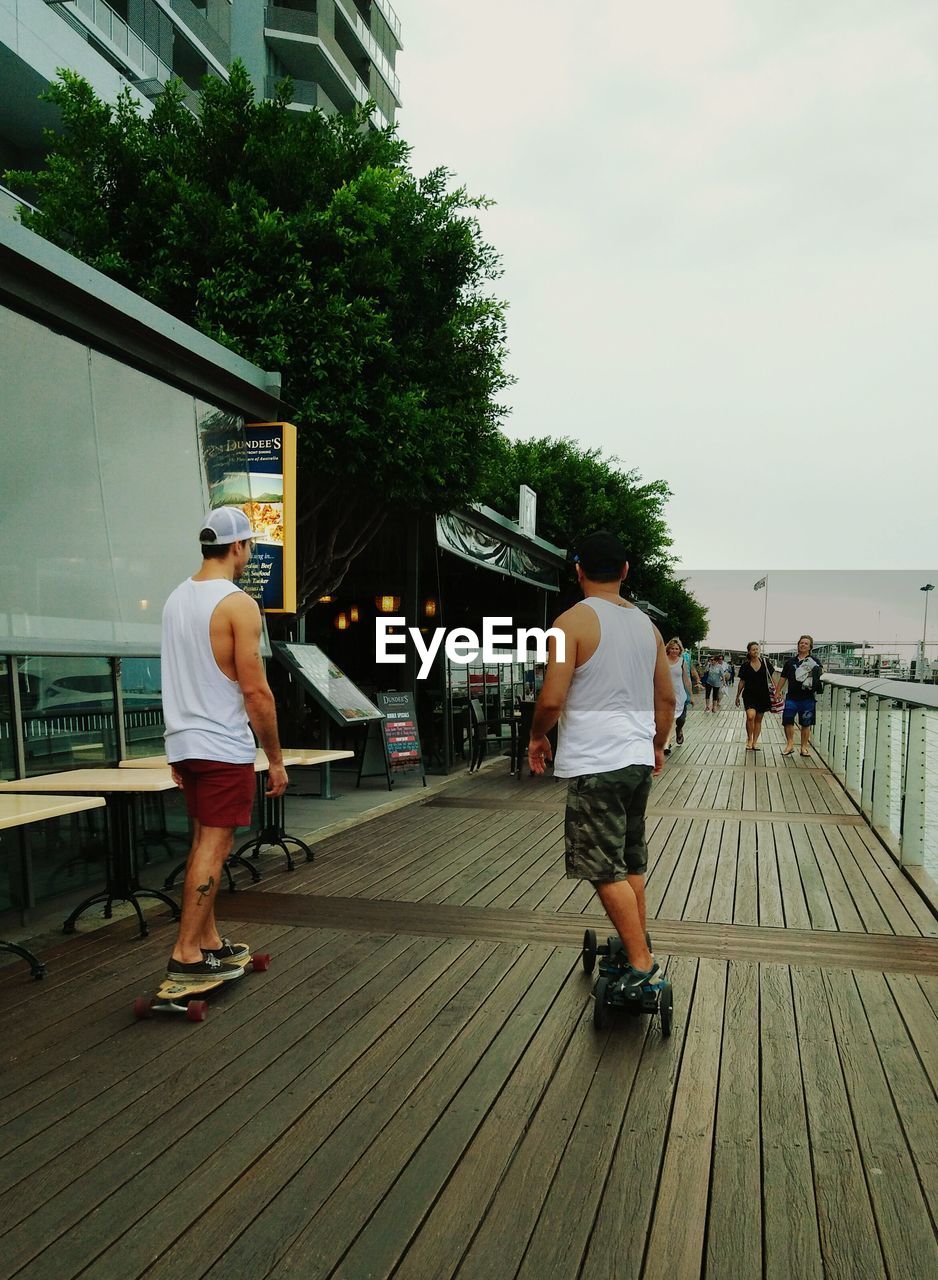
271, 508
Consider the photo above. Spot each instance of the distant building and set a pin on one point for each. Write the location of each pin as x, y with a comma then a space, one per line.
339, 54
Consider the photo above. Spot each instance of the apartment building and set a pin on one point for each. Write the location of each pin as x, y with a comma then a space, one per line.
339, 53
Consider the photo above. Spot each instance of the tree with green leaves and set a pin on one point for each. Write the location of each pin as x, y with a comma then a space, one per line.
580, 491
305, 244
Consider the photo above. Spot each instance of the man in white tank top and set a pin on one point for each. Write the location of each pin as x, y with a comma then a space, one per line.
214, 690
614, 698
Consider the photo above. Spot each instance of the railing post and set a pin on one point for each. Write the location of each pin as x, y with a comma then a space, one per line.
912, 845
840, 724
869, 754
882, 785
855, 726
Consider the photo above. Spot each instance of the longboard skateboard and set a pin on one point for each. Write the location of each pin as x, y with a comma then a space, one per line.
175, 995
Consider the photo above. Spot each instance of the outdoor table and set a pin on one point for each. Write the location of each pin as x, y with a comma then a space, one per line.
21, 811
118, 786
270, 811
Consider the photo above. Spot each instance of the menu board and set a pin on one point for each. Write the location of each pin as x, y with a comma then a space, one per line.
401, 739
330, 686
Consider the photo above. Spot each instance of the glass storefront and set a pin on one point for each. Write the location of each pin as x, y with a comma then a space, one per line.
68, 713
143, 709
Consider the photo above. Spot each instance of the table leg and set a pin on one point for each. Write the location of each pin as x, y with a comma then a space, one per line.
36, 965
122, 883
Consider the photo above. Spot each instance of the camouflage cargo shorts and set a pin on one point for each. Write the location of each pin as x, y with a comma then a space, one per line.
604, 831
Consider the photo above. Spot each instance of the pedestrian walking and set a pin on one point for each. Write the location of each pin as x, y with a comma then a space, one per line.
713, 682
683, 693
756, 689
214, 691
802, 676
611, 691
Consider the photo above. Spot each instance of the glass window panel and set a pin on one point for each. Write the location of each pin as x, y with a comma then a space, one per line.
68, 856
11, 879
68, 713
6, 723
143, 708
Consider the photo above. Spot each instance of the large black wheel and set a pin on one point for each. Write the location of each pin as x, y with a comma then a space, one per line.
601, 1008
589, 951
666, 1009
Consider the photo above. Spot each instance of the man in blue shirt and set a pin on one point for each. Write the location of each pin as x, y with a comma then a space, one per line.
802, 674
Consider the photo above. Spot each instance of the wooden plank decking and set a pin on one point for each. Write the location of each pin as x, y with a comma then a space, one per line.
415, 1088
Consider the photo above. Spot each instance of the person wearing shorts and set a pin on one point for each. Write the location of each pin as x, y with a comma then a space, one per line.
610, 687
802, 675
214, 691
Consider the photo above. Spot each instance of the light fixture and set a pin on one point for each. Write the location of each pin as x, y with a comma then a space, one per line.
325, 600
353, 613
429, 607
144, 604
340, 622
387, 604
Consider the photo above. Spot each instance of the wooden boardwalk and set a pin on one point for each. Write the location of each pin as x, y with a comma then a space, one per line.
415, 1088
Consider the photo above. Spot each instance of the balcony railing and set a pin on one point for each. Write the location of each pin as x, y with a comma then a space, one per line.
111, 29
306, 93
375, 52
880, 739
390, 18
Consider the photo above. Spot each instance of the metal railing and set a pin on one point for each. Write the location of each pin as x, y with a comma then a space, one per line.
880, 739
110, 27
375, 52
390, 18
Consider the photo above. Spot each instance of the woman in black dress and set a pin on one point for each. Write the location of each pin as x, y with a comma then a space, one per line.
755, 684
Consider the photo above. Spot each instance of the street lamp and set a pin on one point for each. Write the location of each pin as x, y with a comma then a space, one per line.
929, 586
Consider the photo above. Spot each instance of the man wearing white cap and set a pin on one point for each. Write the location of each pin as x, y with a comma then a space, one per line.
214, 691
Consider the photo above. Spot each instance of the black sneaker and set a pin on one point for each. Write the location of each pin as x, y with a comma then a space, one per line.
229, 951
208, 967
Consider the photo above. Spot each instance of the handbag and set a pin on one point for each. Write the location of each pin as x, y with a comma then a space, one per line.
776, 704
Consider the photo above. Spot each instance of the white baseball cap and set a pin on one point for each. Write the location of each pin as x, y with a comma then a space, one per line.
225, 525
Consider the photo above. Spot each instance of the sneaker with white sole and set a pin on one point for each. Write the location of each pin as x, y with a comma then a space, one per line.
207, 968
229, 952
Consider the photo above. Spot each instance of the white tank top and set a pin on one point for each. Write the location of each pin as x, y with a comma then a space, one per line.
677, 677
608, 719
203, 710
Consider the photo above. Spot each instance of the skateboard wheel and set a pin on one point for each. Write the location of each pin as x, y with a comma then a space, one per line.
142, 1007
260, 962
589, 951
196, 1010
666, 1009
600, 1007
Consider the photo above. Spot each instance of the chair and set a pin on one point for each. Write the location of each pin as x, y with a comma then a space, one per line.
479, 729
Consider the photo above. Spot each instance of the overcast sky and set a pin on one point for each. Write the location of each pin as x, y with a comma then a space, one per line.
718, 220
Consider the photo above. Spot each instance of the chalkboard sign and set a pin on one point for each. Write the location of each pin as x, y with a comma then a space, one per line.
330, 686
399, 729
400, 740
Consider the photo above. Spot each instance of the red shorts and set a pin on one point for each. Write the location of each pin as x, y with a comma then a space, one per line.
218, 794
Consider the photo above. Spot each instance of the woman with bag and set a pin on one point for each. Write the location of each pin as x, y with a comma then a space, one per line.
756, 689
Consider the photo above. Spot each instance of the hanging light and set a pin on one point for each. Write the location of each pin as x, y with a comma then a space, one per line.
325, 600
340, 621
353, 613
429, 607
387, 604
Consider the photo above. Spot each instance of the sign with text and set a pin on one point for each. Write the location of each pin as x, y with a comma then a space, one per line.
327, 683
270, 454
399, 729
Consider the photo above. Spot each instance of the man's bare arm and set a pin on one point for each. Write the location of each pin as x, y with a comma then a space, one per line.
252, 680
556, 684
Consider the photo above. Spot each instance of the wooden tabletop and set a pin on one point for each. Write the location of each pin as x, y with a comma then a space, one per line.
261, 763
18, 810
305, 757
100, 781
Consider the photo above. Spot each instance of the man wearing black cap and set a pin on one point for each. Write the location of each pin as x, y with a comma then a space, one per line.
214, 690
613, 695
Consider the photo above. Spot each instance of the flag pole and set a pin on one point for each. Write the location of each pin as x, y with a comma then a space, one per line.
765, 610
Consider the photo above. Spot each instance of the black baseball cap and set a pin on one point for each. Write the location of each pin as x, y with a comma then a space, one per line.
601, 555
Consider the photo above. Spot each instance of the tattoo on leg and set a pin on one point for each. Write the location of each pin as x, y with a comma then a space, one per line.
205, 889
